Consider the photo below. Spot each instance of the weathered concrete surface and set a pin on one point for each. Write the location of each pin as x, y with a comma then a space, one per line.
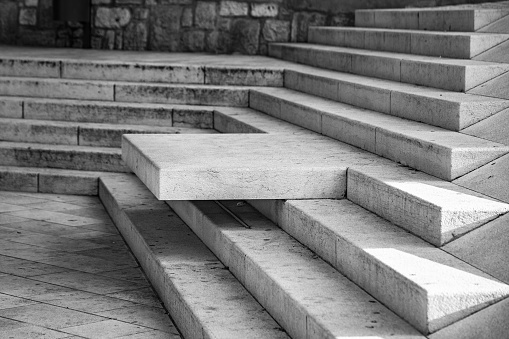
450, 110
486, 248
490, 323
110, 135
97, 111
490, 179
461, 45
493, 128
49, 180
435, 210
499, 53
16, 179
433, 150
182, 94
46, 132
497, 87
499, 26
304, 294
433, 19
412, 277
55, 88
275, 167
203, 297
61, 156
132, 71
30, 68
11, 108
450, 74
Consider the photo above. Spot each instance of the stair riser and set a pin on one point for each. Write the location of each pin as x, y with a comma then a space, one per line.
45, 134
30, 68
83, 112
149, 93
449, 77
429, 20
182, 95
73, 160
46, 88
459, 47
450, 115
427, 157
117, 113
11, 108
47, 181
133, 72
141, 72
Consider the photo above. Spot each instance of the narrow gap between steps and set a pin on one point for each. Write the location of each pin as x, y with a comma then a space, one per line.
23, 109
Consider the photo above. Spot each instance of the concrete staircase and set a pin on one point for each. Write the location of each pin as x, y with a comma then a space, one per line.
343, 198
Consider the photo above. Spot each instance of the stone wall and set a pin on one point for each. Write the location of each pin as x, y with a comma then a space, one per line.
218, 26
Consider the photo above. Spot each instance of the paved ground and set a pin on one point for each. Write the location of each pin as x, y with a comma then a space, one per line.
65, 272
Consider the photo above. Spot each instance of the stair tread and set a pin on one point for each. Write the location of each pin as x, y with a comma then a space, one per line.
408, 128
321, 303
413, 31
430, 92
448, 109
104, 126
61, 148
394, 55
202, 296
411, 263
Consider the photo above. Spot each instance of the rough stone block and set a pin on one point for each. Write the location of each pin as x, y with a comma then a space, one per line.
242, 76
276, 30
233, 8
112, 17
264, 10
28, 16
205, 14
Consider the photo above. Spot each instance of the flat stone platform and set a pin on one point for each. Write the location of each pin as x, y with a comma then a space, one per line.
66, 272
242, 166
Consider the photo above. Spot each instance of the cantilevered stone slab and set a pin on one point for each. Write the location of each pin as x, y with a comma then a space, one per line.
240, 166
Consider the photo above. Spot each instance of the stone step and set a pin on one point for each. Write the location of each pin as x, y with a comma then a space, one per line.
493, 128
450, 110
436, 151
202, 296
82, 158
486, 248
430, 19
309, 298
277, 166
49, 180
84, 134
490, 179
182, 70
107, 112
416, 280
496, 88
460, 45
436, 210
450, 74
499, 53
124, 91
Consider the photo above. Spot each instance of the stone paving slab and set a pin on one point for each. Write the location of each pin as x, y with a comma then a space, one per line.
58, 300
275, 167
